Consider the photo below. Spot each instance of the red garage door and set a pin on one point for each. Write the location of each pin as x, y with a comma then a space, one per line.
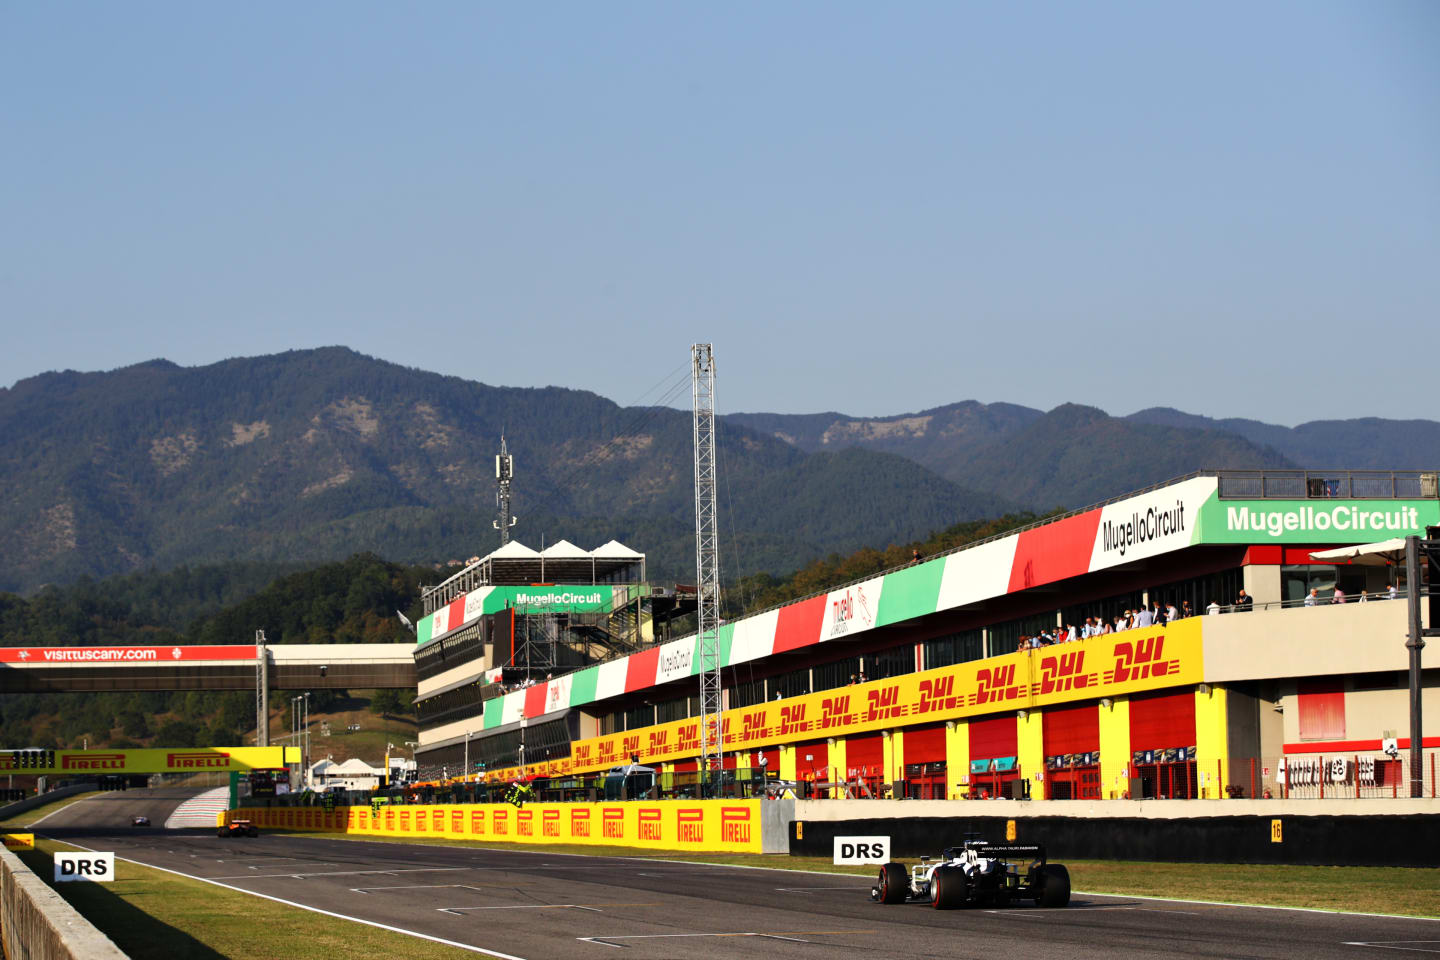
1071, 730
993, 738
865, 752
1161, 720
924, 744
1322, 709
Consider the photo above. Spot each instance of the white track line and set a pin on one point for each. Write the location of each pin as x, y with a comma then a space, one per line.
1391, 945
304, 906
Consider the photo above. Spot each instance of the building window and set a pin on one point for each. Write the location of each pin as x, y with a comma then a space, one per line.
613, 722
890, 663
792, 684
641, 716
1005, 637
956, 648
828, 676
747, 694
672, 710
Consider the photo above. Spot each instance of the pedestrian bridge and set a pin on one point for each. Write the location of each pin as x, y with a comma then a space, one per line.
288, 666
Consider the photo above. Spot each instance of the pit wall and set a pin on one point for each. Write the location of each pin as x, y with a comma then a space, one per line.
37, 924
723, 826
1346, 833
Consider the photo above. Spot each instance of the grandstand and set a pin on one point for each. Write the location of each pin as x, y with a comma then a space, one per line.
957, 676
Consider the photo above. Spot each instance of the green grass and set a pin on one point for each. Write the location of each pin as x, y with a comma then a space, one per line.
20, 821
154, 915
1403, 891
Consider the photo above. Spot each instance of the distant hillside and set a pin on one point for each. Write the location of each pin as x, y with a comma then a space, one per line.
1070, 456
1368, 443
311, 455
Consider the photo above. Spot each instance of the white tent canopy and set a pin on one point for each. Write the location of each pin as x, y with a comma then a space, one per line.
1383, 553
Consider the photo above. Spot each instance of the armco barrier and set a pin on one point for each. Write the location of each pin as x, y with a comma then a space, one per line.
1320, 839
37, 924
40, 799
730, 826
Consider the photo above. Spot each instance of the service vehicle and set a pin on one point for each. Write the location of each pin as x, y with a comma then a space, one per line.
238, 828
977, 873
139, 821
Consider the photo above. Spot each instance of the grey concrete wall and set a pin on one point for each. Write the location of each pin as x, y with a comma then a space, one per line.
30, 803
37, 923
775, 819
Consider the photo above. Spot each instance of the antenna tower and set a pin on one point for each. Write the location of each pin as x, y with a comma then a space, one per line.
504, 471
707, 566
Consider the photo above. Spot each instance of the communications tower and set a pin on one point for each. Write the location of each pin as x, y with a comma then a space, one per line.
504, 471
707, 567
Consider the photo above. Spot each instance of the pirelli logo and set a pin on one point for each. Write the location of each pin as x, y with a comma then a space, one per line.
735, 824
650, 827
477, 822
209, 760
612, 823
499, 822
690, 826
525, 823
550, 823
580, 822
94, 761
457, 821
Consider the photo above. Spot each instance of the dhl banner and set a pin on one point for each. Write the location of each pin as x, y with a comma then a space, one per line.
1113, 665
18, 841
731, 826
147, 760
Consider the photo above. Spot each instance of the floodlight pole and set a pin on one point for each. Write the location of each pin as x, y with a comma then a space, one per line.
1415, 644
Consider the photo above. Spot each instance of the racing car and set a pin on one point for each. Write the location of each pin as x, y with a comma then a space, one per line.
238, 828
977, 873
139, 821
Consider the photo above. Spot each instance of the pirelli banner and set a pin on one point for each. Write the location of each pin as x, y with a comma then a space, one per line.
729, 826
189, 760
1113, 665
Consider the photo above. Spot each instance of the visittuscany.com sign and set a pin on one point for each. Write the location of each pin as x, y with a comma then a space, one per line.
1312, 521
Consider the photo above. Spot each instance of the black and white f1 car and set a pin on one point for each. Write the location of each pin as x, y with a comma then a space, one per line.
977, 873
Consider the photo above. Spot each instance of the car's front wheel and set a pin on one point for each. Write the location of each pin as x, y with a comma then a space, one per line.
894, 883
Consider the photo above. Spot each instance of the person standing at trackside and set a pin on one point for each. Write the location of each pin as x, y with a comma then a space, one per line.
1245, 603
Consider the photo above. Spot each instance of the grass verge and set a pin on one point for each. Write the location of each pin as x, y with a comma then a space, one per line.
1402, 891
20, 821
154, 915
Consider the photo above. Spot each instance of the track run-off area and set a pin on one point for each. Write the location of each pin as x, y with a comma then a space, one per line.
540, 905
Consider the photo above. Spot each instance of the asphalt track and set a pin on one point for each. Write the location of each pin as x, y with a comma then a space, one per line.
538, 905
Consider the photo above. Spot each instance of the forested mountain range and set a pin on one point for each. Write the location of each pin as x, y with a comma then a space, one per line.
284, 461
307, 456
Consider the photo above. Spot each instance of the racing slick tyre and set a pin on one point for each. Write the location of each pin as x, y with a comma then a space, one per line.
894, 883
255, 832
948, 888
1054, 886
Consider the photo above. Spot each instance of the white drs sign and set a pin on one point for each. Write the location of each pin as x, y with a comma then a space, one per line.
856, 851
95, 867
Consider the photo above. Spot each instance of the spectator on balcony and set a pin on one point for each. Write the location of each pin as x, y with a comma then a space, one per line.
1144, 618
1312, 598
1172, 614
1213, 608
1245, 603
1185, 610
1364, 596
1393, 592
1338, 596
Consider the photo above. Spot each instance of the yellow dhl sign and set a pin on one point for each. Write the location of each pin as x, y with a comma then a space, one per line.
731, 826
1109, 666
148, 760
18, 841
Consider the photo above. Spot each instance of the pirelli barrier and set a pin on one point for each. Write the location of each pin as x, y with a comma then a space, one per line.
728, 826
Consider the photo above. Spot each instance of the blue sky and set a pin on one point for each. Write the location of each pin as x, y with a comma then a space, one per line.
875, 208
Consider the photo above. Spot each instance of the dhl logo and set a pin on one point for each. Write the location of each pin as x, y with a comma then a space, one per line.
650, 828
499, 822
1065, 671
579, 822
690, 826
657, 741
755, 724
937, 693
612, 823
883, 703
792, 718
94, 761
735, 824
996, 684
1140, 659
631, 745
550, 823
582, 753
197, 761
525, 823
688, 738
835, 712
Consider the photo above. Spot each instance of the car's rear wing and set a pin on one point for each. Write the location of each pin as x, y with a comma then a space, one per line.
1010, 850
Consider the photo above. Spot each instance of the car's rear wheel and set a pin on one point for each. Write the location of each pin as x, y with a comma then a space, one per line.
894, 883
1054, 886
948, 888
222, 833
252, 832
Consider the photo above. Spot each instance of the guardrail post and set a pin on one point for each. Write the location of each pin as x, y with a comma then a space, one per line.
1357, 776
1322, 776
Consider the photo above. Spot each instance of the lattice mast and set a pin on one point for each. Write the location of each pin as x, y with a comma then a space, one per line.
504, 472
707, 565
262, 691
